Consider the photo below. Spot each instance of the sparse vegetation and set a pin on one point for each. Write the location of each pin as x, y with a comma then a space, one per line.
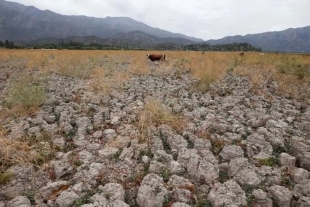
166, 174
147, 152
217, 146
15, 152
155, 114
286, 181
272, 161
117, 154
293, 67
30, 194
190, 142
26, 93
223, 176
290, 71
84, 199
146, 167
248, 192
5, 178
28, 150
168, 201
105, 74
202, 202
167, 147
105, 80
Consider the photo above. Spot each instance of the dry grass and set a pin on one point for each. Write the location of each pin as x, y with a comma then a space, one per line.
14, 152
109, 70
29, 150
74, 65
25, 94
105, 68
290, 71
5, 178
155, 114
104, 80
207, 68
139, 66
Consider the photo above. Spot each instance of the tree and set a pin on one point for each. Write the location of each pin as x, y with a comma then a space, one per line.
11, 45
2, 44
7, 43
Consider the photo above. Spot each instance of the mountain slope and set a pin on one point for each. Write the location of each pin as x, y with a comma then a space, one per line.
290, 40
24, 23
135, 39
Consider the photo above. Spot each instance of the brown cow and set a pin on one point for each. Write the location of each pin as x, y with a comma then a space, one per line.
241, 53
156, 57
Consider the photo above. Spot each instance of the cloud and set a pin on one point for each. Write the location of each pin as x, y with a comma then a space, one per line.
206, 19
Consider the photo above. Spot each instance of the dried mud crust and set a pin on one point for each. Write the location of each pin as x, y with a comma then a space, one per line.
235, 148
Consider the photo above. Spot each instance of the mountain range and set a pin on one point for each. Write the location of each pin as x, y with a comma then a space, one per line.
290, 40
29, 25
22, 23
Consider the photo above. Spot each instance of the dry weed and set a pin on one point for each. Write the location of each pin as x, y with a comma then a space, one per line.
103, 81
28, 150
25, 94
15, 152
139, 66
155, 114
289, 70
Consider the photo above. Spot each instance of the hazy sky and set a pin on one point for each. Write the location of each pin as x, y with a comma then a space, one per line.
206, 19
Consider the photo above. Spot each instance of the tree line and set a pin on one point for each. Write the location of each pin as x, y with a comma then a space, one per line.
71, 45
225, 47
7, 44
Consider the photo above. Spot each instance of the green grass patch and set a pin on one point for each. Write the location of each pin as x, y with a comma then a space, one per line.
85, 199
271, 161
5, 178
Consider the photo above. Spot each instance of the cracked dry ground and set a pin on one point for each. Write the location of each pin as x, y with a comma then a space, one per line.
235, 148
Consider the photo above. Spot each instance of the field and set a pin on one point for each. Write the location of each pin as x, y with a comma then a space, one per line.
289, 70
67, 114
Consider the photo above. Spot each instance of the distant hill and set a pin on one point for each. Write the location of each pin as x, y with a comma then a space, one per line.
290, 40
134, 39
27, 23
